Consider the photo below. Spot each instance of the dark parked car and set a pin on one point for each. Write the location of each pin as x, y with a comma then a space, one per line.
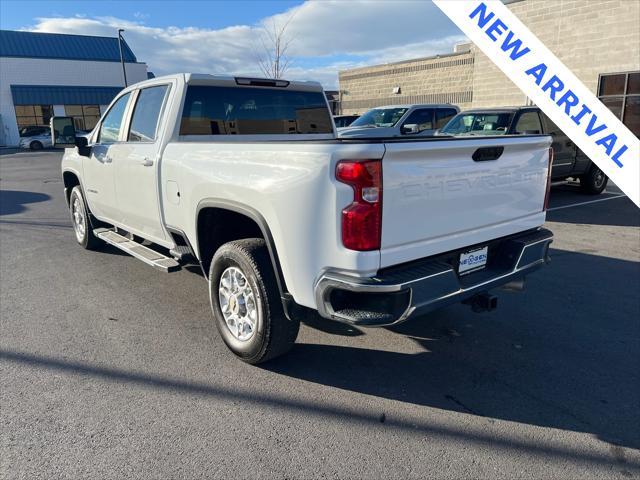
344, 120
569, 160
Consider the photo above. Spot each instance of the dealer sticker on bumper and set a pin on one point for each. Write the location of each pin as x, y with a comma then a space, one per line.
473, 260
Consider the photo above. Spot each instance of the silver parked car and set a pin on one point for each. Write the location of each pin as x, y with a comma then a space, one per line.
37, 142
400, 120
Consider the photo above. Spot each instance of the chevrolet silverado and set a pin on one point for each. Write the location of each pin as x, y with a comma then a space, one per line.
245, 177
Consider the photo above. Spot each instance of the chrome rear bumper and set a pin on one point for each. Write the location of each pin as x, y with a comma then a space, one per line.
396, 293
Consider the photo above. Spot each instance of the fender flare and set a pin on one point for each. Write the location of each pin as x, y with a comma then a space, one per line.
257, 217
77, 175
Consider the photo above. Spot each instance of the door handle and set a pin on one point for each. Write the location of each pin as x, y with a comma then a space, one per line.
484, 154
146, 162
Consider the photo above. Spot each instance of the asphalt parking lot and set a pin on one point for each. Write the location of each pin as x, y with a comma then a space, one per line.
110, 369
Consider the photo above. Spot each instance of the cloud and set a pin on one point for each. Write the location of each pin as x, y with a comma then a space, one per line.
325, 36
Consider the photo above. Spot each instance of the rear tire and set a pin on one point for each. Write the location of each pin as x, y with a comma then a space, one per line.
246, 303
594, 181
81, 222
36, 145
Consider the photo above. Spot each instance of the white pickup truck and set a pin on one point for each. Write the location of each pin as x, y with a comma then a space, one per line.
246, 178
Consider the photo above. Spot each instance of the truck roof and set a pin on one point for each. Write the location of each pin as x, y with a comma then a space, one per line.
231, 80
501, 109
416, 105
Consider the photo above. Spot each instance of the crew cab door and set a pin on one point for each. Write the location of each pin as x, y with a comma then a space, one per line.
564, 150
420, 121
98, 168
136, 169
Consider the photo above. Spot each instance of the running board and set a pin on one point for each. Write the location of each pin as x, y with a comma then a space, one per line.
147, 255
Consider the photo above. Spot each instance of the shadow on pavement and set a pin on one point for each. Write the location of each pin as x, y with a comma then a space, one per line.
615, 212
319, 409
552, 356
14, 201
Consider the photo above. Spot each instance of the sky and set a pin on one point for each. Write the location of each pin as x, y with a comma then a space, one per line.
228, 37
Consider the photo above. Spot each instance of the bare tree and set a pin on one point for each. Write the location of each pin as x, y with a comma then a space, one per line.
273, 59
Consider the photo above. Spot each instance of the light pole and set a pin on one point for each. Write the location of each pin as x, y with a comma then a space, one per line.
124, 70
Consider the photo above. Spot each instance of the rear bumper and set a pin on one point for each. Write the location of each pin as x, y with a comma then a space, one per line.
398, 292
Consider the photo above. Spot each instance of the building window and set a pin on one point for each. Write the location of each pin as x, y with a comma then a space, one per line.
32, 115
85, 117
620, 92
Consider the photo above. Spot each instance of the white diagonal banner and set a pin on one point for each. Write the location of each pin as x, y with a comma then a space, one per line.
551, 85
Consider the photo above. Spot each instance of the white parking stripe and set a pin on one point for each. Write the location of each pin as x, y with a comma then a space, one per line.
584, 203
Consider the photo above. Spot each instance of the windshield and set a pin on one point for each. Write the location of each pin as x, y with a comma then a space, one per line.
380, 117
478, 124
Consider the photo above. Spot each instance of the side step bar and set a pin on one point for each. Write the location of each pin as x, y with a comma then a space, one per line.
147, 255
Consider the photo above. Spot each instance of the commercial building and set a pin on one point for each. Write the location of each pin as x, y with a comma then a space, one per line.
598, 40
46, 74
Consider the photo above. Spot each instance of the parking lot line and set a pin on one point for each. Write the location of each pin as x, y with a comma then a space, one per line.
584, 203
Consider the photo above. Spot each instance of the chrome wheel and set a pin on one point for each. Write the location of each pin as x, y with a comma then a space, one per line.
238, 304
77, 212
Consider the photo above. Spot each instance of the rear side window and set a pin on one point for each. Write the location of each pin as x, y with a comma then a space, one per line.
529, 122
210, 110
146, 113
548, 126
443, 115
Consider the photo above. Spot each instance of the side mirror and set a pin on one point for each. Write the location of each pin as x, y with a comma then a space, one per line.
83, 146
411, 128
63, 132
63, 135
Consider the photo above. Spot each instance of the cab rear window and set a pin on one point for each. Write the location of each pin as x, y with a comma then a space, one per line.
211, 110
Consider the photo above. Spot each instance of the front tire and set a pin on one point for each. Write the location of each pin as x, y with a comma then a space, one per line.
594, 181
246, 302
81, 222
36, 145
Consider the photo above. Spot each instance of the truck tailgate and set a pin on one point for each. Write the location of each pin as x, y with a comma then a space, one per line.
438, 198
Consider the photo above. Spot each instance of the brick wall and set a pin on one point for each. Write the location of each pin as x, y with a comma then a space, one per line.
589, 37
443, 79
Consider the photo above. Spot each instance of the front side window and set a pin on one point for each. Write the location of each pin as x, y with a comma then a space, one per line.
212, 110
529, 122
421, 118
380, 117
443, 115
479, 124
110, 127
146, 114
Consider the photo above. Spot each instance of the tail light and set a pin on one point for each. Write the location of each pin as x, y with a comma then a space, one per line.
546, 193
362, 220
